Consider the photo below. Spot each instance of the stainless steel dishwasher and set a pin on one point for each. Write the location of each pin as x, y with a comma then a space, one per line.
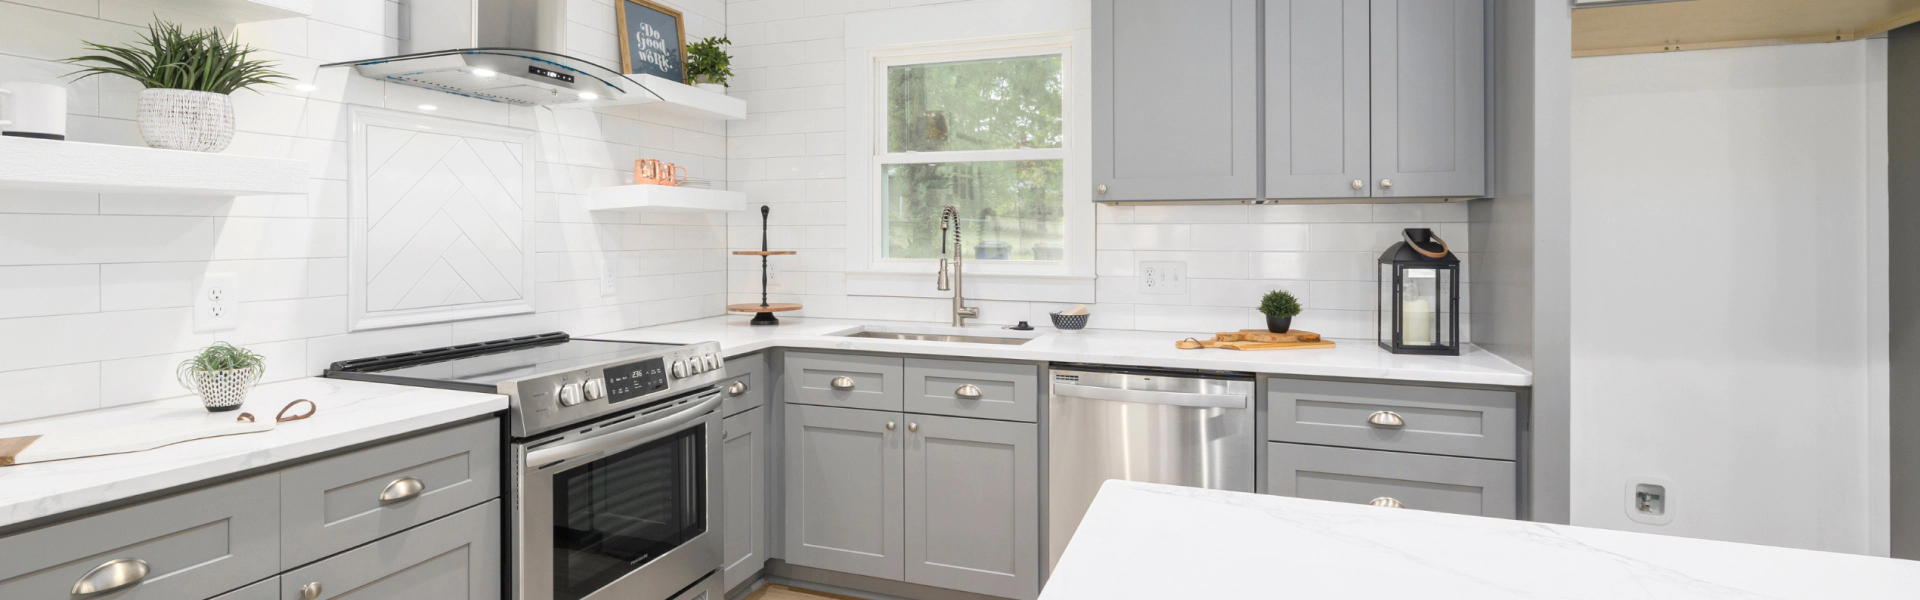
1153, 425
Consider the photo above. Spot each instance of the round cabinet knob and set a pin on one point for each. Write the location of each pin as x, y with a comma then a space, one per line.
1387, 419
570, 394
1386, 184
913, 427
310, 591
889, 425
109, 576
841, 383
738, 388
1386, 502
679, 369
967, 392
1359, 185
1102, 189
596, 389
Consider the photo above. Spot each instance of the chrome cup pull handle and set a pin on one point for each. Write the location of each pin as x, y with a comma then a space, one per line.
967, 391
738, 388
1387, 502
841, 383
310, 591
402, 489
109, 576
1387, 419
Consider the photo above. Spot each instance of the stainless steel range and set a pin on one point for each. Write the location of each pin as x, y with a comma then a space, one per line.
613, 454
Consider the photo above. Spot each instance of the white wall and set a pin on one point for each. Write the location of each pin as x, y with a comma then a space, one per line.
95, 289
1723, 326
791, 153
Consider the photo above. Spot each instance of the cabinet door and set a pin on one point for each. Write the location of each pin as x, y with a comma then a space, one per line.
744, 496
1174, 114
1317, 99
843, 490
1429, 98
973, 505
454, 558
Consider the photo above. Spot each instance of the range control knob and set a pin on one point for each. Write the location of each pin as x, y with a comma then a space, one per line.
693, 365
596, 389
679, 369
713, 361
570, 394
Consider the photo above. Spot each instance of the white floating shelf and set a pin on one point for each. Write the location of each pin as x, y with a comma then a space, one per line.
665, 198
676, 99
31, 164
237, 11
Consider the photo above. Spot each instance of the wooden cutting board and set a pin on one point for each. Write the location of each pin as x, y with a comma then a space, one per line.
1261, 339
172, 427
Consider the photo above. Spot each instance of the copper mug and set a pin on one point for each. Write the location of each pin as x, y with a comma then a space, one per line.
651, 171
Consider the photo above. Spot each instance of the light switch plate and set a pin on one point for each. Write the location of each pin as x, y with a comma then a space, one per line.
1163, 277
609, 278
216, 305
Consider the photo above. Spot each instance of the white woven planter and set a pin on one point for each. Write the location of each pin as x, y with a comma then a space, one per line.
220, 390
186, 120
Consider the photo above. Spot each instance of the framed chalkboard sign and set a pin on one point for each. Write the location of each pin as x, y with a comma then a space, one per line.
653, 40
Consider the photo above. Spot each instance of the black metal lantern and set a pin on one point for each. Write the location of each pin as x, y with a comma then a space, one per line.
1419, 308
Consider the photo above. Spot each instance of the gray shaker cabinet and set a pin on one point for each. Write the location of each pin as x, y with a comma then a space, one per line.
1429, 98
1317, 110
336, 503
1174, 100
973, 505
744, 492
454, 558
746, 384
843, 490
268, 589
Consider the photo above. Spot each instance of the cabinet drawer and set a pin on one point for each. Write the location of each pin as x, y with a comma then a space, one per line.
875, 380
455, 558
1467, 486
268, 589
1457, 422
1008, 392
196, 545
751, 373
336, 504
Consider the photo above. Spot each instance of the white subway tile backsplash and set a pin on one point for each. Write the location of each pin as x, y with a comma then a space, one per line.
48, 290
49, 391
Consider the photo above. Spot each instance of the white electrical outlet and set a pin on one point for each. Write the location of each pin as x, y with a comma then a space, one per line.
1650, 500
1163, 277
217, 305
609, 266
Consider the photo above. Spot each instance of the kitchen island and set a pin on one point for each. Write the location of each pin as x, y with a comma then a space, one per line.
1155, 541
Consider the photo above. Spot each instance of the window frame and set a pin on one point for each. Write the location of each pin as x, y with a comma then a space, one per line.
867, 238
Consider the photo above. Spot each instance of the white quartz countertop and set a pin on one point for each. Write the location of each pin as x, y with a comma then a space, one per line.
1143, 540
348, 413
1350, 358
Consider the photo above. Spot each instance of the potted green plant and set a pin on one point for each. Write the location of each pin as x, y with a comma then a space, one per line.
709, 66
189, 77
1280, 307
221, 374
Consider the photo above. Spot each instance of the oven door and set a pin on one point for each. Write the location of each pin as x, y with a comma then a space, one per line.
623, 510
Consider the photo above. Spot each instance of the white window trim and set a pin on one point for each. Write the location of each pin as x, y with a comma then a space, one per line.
866, 68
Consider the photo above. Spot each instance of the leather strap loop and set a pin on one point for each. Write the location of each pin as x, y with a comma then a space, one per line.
1423, 251
282, 417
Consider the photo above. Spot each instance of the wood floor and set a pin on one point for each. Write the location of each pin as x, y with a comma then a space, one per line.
781, 592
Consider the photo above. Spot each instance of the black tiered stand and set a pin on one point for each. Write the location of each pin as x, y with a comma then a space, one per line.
763, 312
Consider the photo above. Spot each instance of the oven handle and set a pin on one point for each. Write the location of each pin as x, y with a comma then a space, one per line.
631, 436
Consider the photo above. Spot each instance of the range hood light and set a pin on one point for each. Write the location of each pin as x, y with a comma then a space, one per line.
589, 96
429, 107
484, 73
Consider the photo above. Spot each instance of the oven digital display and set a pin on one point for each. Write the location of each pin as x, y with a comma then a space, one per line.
636, 379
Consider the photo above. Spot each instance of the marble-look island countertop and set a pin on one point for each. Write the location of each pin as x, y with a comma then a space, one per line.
1361, 359
1155, 541
349, 413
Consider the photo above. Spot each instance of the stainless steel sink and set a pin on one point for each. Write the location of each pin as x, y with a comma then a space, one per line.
940, 337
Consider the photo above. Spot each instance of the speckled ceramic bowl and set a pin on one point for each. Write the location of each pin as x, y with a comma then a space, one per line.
1069, 322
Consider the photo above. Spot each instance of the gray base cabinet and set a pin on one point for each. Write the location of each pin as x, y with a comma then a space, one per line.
844, 490
746, 385
1467, 486
454, 558
973, 505
744, 516
264, 590
335, 504
1451, 421
844, 380
196, 545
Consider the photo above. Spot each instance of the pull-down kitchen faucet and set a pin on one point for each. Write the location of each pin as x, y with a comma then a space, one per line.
961, 311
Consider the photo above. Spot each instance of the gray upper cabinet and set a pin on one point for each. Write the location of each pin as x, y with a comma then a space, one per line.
1317, 110
746, 384
973, 505
844, 380
1174, 100
744, 493
195, 546
843, 490
1429, 98
455, 558
352, 499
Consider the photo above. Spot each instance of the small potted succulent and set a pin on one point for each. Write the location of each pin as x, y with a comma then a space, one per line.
222, 374
709, 66
1280, 307
189, 77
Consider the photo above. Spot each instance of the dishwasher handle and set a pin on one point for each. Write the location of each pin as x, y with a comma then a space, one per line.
1150, 396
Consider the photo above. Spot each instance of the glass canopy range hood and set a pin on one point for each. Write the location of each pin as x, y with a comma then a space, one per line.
511, 51
511, 75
